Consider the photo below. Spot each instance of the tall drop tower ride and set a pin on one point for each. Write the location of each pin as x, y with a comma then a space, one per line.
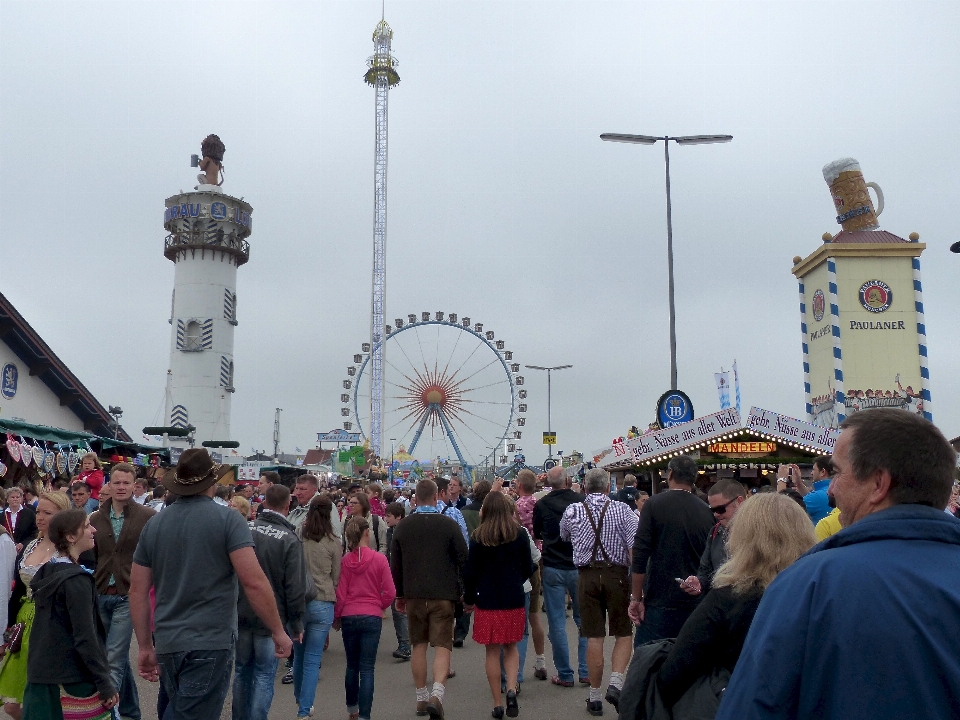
382, 75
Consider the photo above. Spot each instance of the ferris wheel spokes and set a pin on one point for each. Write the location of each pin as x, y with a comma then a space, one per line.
433, 392
416, 436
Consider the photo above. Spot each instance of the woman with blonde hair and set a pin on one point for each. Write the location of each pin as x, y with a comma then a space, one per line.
13, 673
498, 563
769, 533
241, 505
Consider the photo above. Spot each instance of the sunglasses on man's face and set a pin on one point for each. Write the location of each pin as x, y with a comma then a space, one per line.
721, 509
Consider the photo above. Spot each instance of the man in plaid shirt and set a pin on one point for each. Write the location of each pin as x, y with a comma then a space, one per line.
602, 532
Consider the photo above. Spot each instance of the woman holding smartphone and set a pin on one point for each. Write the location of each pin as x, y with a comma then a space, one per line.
769, 533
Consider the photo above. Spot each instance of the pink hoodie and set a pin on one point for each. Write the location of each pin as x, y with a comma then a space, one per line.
366, 585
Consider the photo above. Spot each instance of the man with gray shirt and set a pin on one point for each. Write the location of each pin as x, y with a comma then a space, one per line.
193, 553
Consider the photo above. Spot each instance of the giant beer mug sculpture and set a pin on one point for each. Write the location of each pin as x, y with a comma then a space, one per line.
855, 209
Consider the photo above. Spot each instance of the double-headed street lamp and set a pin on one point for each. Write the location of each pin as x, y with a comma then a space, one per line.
549, 370
680, 140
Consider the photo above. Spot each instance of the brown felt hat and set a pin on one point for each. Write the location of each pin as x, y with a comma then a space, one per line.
195, 472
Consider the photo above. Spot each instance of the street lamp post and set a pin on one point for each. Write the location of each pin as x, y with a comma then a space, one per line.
549, 370
680, 140
392, 441
493, 462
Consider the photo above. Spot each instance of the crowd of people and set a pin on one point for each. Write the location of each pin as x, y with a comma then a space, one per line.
834, 599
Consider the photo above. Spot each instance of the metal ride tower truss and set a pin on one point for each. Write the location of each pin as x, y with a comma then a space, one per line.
382, 75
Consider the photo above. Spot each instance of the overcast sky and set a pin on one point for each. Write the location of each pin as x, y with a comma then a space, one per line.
504, 205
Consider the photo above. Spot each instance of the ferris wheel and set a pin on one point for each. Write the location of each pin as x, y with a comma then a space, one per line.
451, 390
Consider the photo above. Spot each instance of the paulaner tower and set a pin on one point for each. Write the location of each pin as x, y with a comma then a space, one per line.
207, 242
861, 310
382, 75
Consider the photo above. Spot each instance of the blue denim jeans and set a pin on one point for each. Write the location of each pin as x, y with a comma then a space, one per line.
164, 711
115, 615
461, 627
361, 637
308, 655
129, 705
256, 668
196, 682
660, 622
521, 646
401, 627
556, 584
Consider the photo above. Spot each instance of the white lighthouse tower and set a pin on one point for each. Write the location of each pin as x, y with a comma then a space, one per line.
207, 242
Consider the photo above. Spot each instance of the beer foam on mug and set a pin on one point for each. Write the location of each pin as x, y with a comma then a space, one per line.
831, 171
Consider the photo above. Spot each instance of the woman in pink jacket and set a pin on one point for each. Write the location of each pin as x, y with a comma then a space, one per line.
365, 590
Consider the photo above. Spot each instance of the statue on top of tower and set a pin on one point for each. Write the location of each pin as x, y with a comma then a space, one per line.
212, 149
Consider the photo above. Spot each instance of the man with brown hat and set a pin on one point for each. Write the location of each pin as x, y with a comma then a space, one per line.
193, 553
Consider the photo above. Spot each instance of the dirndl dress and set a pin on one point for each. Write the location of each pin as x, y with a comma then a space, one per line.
13, 671
499, 627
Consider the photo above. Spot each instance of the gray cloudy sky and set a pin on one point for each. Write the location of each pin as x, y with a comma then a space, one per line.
504, 204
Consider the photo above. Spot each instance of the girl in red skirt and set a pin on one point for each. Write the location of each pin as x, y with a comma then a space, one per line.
498, 564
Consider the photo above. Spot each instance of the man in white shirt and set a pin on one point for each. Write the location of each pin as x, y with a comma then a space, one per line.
140, 494
19, 520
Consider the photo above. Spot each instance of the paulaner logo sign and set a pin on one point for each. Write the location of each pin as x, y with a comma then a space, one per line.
819, 305
875, 296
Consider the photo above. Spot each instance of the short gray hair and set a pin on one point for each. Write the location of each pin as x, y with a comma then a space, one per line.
596, 480
557, 477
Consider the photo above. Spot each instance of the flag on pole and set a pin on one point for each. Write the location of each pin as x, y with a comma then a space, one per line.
723, 387
736, 382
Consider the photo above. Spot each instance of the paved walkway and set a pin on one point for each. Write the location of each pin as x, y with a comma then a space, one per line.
467, 695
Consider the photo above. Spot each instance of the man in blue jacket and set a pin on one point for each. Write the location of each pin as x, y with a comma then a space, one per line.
864, 626
816, 500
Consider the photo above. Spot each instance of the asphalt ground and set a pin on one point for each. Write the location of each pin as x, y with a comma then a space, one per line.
467, 695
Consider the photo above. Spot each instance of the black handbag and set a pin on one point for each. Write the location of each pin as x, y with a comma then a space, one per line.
13, 638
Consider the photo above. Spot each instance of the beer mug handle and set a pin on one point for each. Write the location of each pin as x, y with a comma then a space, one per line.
879, 192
